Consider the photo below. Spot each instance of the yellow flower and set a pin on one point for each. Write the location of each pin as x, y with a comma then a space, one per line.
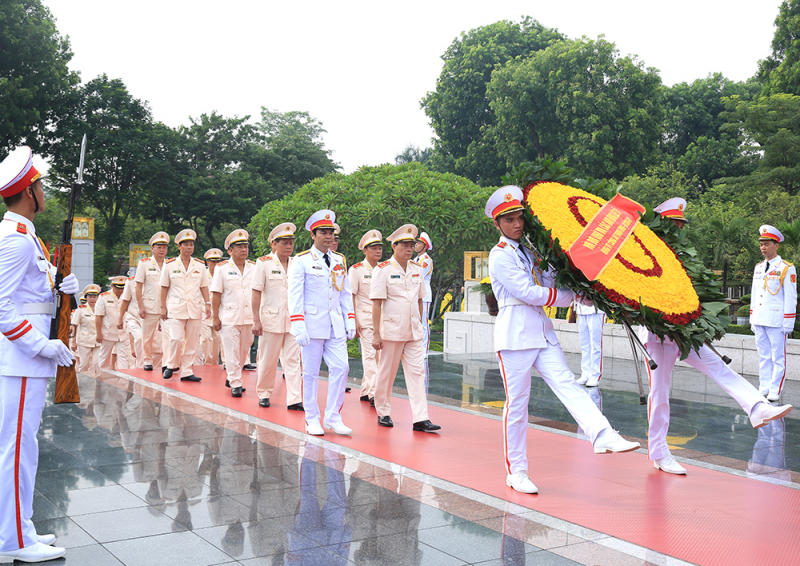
486, 281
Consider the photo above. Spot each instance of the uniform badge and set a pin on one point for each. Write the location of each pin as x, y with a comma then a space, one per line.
501, 245
509, 197
370, 277
395, 277
276, 272
794, 278
315, 267
415, 275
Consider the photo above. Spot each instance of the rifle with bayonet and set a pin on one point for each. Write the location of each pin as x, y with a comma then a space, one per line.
67, 390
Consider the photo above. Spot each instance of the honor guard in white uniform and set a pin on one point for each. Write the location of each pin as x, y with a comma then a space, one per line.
128, 318
665, 353
360, 276
773, 306
270, 302
321, 313
27, 356
397, 294
422, 247
525, 340
148, 301
112, 339
184, 303
231, 293
590, 331
83, 321
210, 342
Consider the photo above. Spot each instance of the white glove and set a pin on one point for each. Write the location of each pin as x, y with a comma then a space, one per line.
350, 328
69, 286
58, 352
303, 339
787, 331
351, 333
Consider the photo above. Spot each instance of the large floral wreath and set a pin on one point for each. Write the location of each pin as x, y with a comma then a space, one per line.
655, 280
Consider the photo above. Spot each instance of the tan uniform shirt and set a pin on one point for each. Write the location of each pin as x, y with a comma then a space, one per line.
401, 291
129, 294
272, 280
237, 292
107, 306
360, 275
210, 320
86, 330
148, 273
184, 299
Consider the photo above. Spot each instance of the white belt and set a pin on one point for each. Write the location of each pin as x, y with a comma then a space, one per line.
35, 308
511, 301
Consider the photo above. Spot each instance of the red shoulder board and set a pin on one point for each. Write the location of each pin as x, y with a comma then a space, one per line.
502, 245
250, 261
357, 265
223, 262
264, 258
170, 260
384, 264
21, 228
131, 278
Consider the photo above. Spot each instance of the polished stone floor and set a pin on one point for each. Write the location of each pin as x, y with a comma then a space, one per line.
140, 475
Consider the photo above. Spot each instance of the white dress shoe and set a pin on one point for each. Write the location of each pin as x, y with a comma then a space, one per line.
764, 392
47, 539
610, 441
593, 382
582, 380
339, 428
519, 481
669, 465
313, 428
764, 412
774, 397
37, 552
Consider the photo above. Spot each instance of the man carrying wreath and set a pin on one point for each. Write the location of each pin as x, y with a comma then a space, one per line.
524, 339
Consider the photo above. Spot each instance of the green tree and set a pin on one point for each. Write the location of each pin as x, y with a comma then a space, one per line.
657, 185
459, 110
727, 235
578, 101
413, 154
448, 207
35, 83
790, 247
780, 72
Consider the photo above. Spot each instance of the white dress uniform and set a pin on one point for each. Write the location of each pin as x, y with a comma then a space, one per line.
425, 261
235, 314
148, 275
86, 337
321, 306
360, 275
276, 342
590, 331
185, 310
772, 315
114, 339
402, 333
133, 322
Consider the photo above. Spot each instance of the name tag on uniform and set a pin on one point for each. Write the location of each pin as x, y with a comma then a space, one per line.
152, 269
276, 272
232, 273
315, 267
395, 277
368, 277
176, 271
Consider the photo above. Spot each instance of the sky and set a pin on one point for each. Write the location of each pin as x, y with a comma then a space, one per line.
362, 67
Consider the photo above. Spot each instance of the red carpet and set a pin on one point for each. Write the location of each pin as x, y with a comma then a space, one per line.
707, 517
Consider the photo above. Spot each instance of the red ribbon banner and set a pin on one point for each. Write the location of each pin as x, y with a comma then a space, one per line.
604, 236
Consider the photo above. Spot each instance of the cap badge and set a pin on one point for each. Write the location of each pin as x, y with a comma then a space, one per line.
327, 217
408, 230
763, 230
680, 207
509, 197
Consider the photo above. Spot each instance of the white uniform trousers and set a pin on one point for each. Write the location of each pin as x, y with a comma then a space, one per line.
135, 332
90, 361
123, 351
771, 345
515, 368
149, 336
369, 361
271, 347
184, 338
236, 342
22, 400
590, 331
665, 355
334, 352
426, 327
413, 357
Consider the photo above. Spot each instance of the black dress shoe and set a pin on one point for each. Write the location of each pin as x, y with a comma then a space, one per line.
163, 368
236, 392
193, 378
227, 383
364, 398
347, 389
263, 403
168, 373
296, 407
426, 426
372, 402
148, 367
250, 367
385, 421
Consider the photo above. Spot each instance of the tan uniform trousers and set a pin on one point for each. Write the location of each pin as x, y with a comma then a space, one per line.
271, 347
154, 342
90, 360
236, 342
210, 347
184, 338
369, 359
123, 351
135, 333
412, 353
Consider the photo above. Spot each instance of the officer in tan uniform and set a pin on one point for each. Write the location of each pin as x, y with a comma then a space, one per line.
270, 303
231, 290
210, 342
398, 289
360, 275
83, 321
148, 297
109, 336
184, 303
337, 232
130, 319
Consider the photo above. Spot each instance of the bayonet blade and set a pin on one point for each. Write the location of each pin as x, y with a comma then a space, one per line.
80, 165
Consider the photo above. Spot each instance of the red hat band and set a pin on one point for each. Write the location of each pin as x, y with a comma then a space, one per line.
505, 207
325, 223
25, 181
768, 236
674, 213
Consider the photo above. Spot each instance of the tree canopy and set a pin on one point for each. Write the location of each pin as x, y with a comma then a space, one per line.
780, 72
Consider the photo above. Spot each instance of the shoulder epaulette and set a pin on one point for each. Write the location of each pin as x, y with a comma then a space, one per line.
131, 278
223, 262
357, 265
104, 293
82, 306
303, 253
251, 261
501, 245
148, 258
170, 260
415, 262
264, 258
337, 253
21, 228
787, 263
384, 264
